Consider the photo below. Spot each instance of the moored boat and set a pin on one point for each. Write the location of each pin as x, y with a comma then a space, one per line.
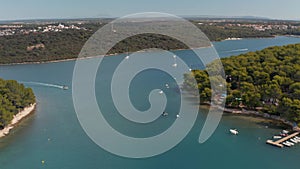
277, 137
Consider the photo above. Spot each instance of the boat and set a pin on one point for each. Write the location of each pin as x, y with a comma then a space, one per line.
298, 140
234, 131
165, 114
286, 144
277, 137
177, 116
161, 92
290, 143
285, 132
294, 141
65, 87
167, 85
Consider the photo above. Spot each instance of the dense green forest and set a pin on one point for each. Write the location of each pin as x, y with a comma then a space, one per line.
266, 80
68, 43
13, 98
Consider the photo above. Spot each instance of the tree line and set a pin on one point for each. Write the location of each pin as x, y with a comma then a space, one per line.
266, 80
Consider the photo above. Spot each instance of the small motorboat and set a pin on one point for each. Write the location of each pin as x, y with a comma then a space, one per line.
234, 131
167, 85
286, 144
285, 132
297, 140
177, 116
161, 92
165, 114
290, 143
65, 87
277, 137
294, 141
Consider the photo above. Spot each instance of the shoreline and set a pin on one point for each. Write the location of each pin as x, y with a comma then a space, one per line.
17, 118
253, 113
90, 57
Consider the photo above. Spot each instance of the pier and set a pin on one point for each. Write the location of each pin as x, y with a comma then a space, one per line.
278, 142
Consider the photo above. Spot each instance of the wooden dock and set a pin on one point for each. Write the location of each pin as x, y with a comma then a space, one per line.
278, 142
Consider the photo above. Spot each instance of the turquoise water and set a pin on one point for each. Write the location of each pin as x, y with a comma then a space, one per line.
53, 133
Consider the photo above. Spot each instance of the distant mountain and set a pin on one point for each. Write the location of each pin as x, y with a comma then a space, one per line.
226, 17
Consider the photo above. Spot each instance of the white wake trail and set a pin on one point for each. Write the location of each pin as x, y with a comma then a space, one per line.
236, 50
43, 84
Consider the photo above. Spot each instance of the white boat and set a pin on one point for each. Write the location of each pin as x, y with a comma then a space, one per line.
290, 143
234, 131
165, 114
277, 137
177, 116
161, 92
286, 144
285, 132
294, 141
297, 138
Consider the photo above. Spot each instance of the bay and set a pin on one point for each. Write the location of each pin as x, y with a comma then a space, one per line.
54, 135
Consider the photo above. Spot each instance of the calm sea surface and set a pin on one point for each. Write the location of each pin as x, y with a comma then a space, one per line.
53, 133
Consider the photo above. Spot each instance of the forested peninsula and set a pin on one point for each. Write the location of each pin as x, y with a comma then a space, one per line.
267, 81
14, 97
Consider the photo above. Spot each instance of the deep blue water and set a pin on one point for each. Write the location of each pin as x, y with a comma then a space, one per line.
53, 133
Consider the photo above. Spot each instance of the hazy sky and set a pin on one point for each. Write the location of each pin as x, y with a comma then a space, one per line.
34, 9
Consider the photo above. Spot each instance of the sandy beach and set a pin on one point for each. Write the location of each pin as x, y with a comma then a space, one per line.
17, 118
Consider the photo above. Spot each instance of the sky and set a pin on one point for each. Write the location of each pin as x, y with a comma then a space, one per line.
53, 9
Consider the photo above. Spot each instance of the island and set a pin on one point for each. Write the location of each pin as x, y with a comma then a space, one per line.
264, 83
17, 102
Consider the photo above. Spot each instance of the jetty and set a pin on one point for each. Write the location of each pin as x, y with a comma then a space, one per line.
278, 143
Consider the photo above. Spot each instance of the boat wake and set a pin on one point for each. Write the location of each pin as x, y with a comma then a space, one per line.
44, 84
236, 50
